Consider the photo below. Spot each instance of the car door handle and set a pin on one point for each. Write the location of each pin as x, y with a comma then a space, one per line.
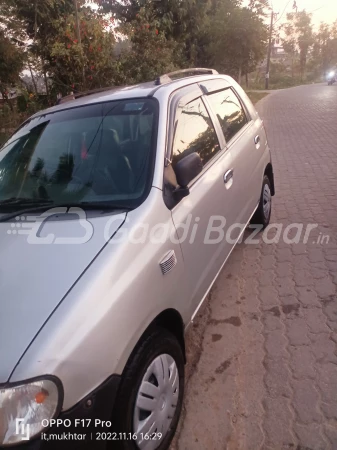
257, 140
228, 175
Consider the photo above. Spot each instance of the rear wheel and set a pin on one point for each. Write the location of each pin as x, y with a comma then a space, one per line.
150, 397
263, 212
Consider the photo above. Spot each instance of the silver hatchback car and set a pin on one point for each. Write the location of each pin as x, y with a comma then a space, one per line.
118, 210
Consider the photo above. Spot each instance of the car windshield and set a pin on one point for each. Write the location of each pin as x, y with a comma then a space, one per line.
94, 153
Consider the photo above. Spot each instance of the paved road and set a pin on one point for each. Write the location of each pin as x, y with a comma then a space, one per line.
262, 370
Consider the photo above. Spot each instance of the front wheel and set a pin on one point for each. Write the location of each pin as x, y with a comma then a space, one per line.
263, 212
150, 397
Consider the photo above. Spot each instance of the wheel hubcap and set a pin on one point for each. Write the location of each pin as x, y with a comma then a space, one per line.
156, 401
266, 201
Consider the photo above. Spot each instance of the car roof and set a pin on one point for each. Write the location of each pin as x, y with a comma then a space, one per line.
128, 92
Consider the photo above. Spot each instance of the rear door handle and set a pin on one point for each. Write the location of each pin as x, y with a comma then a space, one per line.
228, 175
257, 140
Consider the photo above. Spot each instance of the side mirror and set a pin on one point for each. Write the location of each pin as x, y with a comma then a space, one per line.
187, 169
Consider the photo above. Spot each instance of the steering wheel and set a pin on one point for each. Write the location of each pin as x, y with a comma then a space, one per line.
123, 176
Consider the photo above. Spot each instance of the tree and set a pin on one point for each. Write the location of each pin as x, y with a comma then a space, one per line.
239, 39
11, 65
34, 25
75, 45
35, 18
290, 45
324, 54
149, 53
299, 37
260, 7
217, 33
69, 43
181, 21
82, 59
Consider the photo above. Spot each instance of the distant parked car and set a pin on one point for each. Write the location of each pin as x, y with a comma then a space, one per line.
92, 335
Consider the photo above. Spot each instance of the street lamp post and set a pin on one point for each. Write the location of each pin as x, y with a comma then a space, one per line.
272, 23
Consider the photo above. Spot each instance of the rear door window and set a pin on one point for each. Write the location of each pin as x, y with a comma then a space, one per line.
229, 111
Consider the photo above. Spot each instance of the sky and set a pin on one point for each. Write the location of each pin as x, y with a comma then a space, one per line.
322, 10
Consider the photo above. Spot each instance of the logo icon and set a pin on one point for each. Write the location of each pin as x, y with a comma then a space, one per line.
22, 429
32, 226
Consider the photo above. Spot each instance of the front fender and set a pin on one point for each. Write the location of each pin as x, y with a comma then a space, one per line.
92, 333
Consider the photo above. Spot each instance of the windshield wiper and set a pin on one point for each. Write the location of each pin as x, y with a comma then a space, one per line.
24, 201
97, 206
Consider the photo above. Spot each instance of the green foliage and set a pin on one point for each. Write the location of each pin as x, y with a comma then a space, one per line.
281, 81
86, 61
181, 21
149, 53
35, 18
11, 64
312, 54
299, 37
259, 6
256, 96
75, 46
22, 103
324, 53
239, 39
207, 32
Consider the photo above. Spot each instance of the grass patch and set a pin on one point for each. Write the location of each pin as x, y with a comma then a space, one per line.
256, 96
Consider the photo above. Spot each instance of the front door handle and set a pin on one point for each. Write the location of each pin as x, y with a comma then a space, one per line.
257, 140
228, 175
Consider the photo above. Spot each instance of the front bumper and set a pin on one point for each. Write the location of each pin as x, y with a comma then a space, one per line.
79, 429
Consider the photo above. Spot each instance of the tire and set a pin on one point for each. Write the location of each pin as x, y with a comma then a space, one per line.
263, 213
157, 350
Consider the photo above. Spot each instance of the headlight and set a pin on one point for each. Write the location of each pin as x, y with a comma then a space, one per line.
331, 74
24, 406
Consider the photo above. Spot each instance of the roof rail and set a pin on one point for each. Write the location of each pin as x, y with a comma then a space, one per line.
76, 95
167, 77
